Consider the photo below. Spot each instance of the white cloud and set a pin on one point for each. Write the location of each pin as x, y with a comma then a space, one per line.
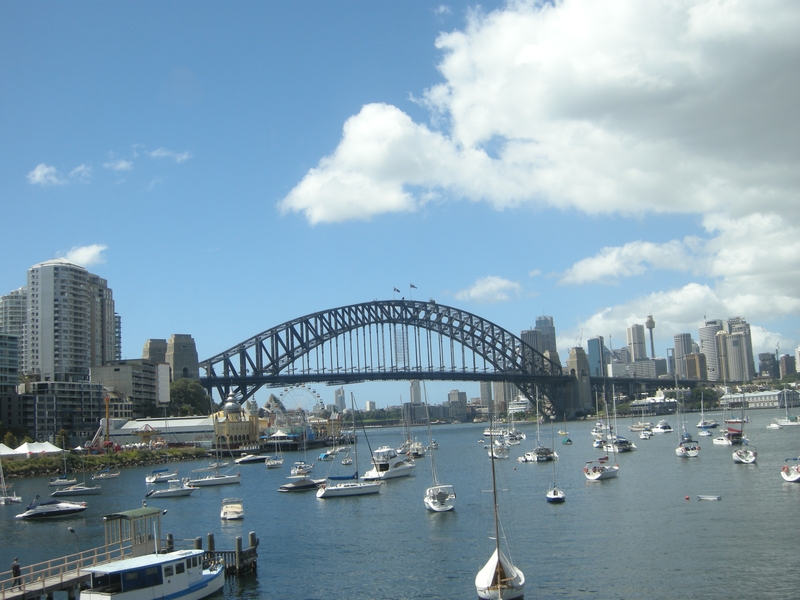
178, 157
119, 165
81, 173
633, 258
489, 290
86, 256
45, 175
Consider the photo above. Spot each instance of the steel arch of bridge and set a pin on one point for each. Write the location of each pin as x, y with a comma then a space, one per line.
387, 340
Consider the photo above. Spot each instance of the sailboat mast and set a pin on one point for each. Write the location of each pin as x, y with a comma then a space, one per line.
430, 435
494, 502
355, 437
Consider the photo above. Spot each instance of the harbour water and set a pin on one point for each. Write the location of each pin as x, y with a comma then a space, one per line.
633, 537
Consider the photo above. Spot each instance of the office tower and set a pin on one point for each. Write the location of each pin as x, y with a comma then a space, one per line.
636, 342
414, 391
370, 406
767, 365
708, 346
737, 349
747, 368
547, 333
155, 351
788, 366
339, 399
504, 393
70, 322
182, 357
486, 394
597, 363
533, 338
683, 346
696, 367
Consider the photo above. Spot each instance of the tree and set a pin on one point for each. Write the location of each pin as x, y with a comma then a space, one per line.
188, 397
10, 440
62, 439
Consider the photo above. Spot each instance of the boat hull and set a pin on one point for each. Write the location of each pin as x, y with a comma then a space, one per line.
215, 480
600, 472
510, 586
791, 474
440, 498
745, 456
341, 490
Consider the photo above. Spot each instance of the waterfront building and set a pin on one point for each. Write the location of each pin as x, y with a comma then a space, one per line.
13, 315
486, 394
138, 380
596, 358
766, 399
370, 405
75, 406
457, 402
637, 347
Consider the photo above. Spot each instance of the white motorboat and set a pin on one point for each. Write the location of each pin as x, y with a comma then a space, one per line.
301, 467
688, 448
177, 574
53, 508
708, 497
597, 470
646, 434
704, 432
232, 509
248, 458
774, 425
387, 464
301, 483
499, 578
106, 474
79, 489
161, 476
662, 427
176, 489
499, 449
273, 462
616, 443
791, 473
746, 455
215, 479
63, 480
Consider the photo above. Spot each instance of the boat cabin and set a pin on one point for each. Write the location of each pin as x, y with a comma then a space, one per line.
140, 529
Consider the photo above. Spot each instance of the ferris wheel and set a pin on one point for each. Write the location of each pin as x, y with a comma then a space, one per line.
300, 396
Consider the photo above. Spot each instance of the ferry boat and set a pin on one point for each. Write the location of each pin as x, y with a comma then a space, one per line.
177, 574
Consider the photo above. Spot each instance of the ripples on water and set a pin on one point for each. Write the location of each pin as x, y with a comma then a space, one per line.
630, 538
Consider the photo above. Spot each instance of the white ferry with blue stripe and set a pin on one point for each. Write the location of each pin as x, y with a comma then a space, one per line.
172, 576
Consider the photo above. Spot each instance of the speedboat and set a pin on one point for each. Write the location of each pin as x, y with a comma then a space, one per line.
177, 574
53, 508
688, 448
176, 489
774, 425
79, 489
248, 458
619, 444
301, 484
387, 464
161, 476
646, 434
745, 455
597, 470
439, 498
232, 509
662, 427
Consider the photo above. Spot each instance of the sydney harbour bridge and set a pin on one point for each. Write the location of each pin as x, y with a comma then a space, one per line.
391, 340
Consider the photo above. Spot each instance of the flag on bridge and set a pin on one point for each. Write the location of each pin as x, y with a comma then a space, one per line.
412, 285
396, 290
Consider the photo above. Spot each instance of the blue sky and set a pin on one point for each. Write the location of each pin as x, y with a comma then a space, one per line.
230, 166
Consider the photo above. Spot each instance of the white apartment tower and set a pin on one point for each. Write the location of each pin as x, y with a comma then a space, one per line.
637, 346
70, 322
708, 346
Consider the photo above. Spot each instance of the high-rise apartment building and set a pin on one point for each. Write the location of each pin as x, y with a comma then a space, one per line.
637, 346
787, 366
735, 351
70, 322
708, 346
597, 363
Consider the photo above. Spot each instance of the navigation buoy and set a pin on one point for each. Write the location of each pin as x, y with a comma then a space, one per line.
687, 497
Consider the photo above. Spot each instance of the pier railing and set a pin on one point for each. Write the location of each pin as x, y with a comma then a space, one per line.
57, 573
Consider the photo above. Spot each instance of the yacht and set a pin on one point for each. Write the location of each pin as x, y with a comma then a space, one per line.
597, 470
662, 427
176, 488
387, 464
215, 479
177, 574
79, 489
53, 508
249, 458
791, 473
301, 483
745, 455
161, 476
688, 448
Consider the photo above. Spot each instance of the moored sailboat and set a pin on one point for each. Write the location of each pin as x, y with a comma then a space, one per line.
439, 497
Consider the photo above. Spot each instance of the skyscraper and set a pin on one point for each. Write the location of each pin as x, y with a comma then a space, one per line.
708, 346
683, 346
414, 392
70, 322
637, 346
533, 338
597, 363
547, 333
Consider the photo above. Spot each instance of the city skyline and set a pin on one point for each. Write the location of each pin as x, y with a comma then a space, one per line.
255, 163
